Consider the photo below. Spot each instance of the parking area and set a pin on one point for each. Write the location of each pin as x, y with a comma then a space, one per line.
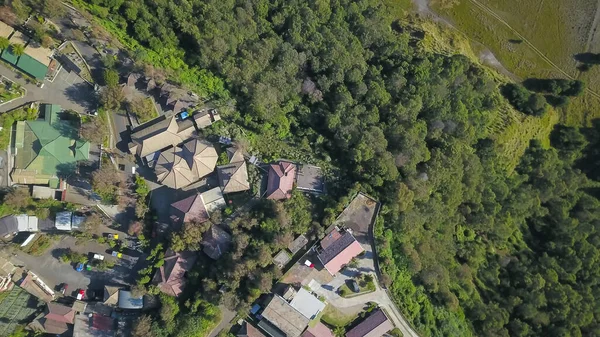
54, 273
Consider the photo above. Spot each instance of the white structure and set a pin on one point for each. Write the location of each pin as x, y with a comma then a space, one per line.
76, 221
63, 221
307, 304
213, 200
26, 223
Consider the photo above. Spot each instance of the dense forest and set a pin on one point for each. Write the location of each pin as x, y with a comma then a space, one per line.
468, 247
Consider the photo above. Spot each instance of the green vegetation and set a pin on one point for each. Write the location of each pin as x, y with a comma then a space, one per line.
17, 307
144, 108
365, 283
39, 246
334, 317
9, 118
70, 256
10, 91
479, 234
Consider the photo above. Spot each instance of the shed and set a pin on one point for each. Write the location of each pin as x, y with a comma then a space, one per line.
42, 192
281, 259
26, 223
298, 244
76, 221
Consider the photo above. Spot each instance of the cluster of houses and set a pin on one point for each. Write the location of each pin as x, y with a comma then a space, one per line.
296, 313
36, 59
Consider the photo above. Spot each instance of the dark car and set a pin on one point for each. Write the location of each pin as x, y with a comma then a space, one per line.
95, 294
353, 286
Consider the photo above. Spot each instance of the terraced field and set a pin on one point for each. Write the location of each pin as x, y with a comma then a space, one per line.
536, 38
16, 307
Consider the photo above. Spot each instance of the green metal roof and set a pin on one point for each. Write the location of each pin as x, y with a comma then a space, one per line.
32, 66
47, 150
8, 56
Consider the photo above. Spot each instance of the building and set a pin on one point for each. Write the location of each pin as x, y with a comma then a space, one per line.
35, 59
197, 207
216, 241
233, 177
171, 277
54, 319
310, 179
339, 252
94, 325
376, 325
319, 330
307, 304
281, 259
281, 180
47, 150
127, 301
27, 223
248, 330
63, 221
163, 132
280, 317
182, 165
298, 243
8, 225
111, 295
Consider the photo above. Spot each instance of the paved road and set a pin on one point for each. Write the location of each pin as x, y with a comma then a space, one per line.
67, 90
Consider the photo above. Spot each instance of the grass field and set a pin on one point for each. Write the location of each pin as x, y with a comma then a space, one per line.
535, 39
17, 307
334, 317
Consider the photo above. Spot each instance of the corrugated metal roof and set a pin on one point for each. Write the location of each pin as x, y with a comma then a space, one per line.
32, 66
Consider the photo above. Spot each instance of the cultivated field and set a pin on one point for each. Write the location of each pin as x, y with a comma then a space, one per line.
16, 307
536, 38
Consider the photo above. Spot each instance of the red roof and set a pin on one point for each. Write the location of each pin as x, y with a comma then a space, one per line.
340, 252
60, 313
330, 238
102, 323
281, 180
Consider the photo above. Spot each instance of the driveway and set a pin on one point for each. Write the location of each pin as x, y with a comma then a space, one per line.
67, 90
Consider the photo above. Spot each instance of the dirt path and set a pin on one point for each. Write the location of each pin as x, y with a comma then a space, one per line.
593, 28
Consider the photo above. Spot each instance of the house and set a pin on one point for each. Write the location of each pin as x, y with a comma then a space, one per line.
279, 318
111, 295
281, 180
54, 319
310, 179
180, 166
281, 259
197, 207
248, 330
127, 301
171, 276
340, 252
235, 154
8, 225
35, 59
298, 243
27, 223
307, 304
94, 325
216, 241
233, 177
163, 132
63, 221
376, 325
319, 330
47, 150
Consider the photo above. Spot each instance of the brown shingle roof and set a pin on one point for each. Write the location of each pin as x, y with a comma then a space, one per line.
248, 330
281, 180
233, 177
170, 277
183, 165
190, 209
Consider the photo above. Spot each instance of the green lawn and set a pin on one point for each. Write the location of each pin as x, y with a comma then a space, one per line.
365, 285
335, 317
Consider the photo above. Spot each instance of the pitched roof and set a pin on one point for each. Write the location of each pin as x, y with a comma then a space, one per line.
340, 253
233, 177
248, 330
375, 325
298, 244
234, 154
183, 165
53, 327
60, 313
192, 208
32, 66
330, 238
319, 330
111, 295
281, 180
170, 277
285, 317
216, 242
213, 199
47, 148
8, 225
307, 304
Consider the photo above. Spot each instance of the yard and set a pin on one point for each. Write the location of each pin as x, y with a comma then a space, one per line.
17, 307
365, 285
9, 90
335, 317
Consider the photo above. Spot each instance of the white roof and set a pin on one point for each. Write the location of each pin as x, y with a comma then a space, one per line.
26, 223
307, 304
213, 200
63, 221
76, 221
42, 192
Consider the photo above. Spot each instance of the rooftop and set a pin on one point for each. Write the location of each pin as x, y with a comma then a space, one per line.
183, 165
340, 253
307, 304
216, 241
171, 276
281, 180
319, 330
127, 301
285, 317
375, 325
248, 330
310, 179
298, 243
233, 177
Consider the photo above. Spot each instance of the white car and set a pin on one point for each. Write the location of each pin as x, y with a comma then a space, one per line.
99, 257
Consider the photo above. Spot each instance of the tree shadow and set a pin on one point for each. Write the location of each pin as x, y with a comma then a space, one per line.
82, 94
587, 58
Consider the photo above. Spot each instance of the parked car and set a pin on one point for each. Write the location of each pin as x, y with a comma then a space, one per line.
117, 254
63, 288
79, 267
112, 236
354, 286
99, 257
80, 294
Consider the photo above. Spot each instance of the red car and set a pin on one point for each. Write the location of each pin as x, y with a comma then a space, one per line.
80, 294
